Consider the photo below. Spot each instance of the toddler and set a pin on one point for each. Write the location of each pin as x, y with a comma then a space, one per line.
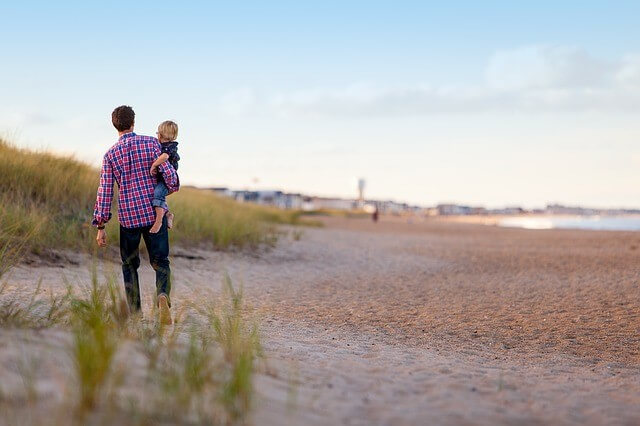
167, 134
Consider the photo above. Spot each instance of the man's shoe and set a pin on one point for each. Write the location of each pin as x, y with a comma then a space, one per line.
163, 310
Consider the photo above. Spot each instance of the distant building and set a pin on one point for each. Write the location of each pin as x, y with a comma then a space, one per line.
392, 207
509, 211
226, 192
560, 209
319, 203
453, 209
270, 198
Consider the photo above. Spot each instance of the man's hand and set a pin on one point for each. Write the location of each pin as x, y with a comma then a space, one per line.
101, 239
154, 170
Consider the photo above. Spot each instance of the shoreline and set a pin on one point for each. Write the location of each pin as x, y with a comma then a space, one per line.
543, 221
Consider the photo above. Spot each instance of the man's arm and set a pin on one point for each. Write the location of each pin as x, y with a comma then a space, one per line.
104, 198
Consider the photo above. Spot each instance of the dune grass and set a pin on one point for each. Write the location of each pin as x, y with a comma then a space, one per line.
47, 201
200, 371
38, 312
129, 370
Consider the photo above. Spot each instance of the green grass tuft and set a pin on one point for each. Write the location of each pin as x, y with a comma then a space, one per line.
96, 320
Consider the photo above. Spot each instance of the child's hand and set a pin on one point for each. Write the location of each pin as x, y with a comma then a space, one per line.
153, 171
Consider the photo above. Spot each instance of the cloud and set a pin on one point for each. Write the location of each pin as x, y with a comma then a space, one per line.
360, 100
529, 79
25, 118
545, 67
628, 74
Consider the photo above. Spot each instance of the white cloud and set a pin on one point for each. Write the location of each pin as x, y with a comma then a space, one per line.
360, 100
530, 79
543, 67
628, 73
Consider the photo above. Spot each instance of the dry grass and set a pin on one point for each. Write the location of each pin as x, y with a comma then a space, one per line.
47, 201
127, 370
38, 312
240, 344
198, 371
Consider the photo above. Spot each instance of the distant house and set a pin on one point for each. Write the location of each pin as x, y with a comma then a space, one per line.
453, 209
392, 207
509, 211
225, 192
560, 209
319, 203
245, 196
269, 198
479, 211
285, 200
293, 201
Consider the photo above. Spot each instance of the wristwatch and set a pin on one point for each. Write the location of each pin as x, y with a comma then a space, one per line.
100, 227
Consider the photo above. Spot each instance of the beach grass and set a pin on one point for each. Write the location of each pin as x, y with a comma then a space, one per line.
38, 312
46, 201
240, 344
95, 341
128, 370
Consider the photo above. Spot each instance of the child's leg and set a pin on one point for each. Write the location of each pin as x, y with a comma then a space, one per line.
158, 223
160, 205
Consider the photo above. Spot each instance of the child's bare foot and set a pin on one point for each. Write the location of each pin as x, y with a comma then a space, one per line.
169, 220
155, 228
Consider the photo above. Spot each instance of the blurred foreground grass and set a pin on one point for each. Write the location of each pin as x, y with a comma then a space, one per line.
47, 201
117, 368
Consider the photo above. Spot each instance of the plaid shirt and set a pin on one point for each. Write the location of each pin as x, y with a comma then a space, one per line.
128, 162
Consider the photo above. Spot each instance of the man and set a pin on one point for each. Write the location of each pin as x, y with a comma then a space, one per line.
128, 163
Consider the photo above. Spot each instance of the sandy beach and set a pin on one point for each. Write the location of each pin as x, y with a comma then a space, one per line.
420, 322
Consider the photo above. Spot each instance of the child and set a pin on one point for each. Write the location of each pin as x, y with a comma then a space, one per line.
167, 134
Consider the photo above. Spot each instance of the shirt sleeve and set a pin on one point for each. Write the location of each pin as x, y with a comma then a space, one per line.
168, 172
104, 198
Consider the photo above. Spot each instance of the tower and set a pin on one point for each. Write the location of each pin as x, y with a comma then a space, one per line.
361, 185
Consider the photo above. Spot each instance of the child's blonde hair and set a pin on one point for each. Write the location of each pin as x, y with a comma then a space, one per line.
168, 130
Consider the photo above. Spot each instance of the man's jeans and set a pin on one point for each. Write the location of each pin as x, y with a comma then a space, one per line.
160, 192
158, 248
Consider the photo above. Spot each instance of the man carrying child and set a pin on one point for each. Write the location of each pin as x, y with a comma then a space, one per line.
128, 163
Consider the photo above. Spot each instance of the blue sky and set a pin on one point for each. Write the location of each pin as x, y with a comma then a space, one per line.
492, 103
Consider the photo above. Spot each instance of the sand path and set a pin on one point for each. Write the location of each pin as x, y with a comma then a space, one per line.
416, 323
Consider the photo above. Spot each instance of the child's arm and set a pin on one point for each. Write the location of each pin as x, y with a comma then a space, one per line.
162, 158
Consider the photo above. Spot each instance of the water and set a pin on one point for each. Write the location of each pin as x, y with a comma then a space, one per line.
600, 223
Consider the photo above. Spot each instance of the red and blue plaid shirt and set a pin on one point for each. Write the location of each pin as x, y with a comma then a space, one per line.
128, 162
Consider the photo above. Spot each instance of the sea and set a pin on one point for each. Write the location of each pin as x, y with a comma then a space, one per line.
598, 223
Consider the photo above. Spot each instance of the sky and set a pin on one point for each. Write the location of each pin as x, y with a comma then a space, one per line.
493, 103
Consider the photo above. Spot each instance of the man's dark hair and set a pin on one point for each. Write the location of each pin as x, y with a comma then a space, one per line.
123, 118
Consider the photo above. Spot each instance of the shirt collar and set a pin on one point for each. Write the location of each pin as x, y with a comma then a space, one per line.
126, 136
